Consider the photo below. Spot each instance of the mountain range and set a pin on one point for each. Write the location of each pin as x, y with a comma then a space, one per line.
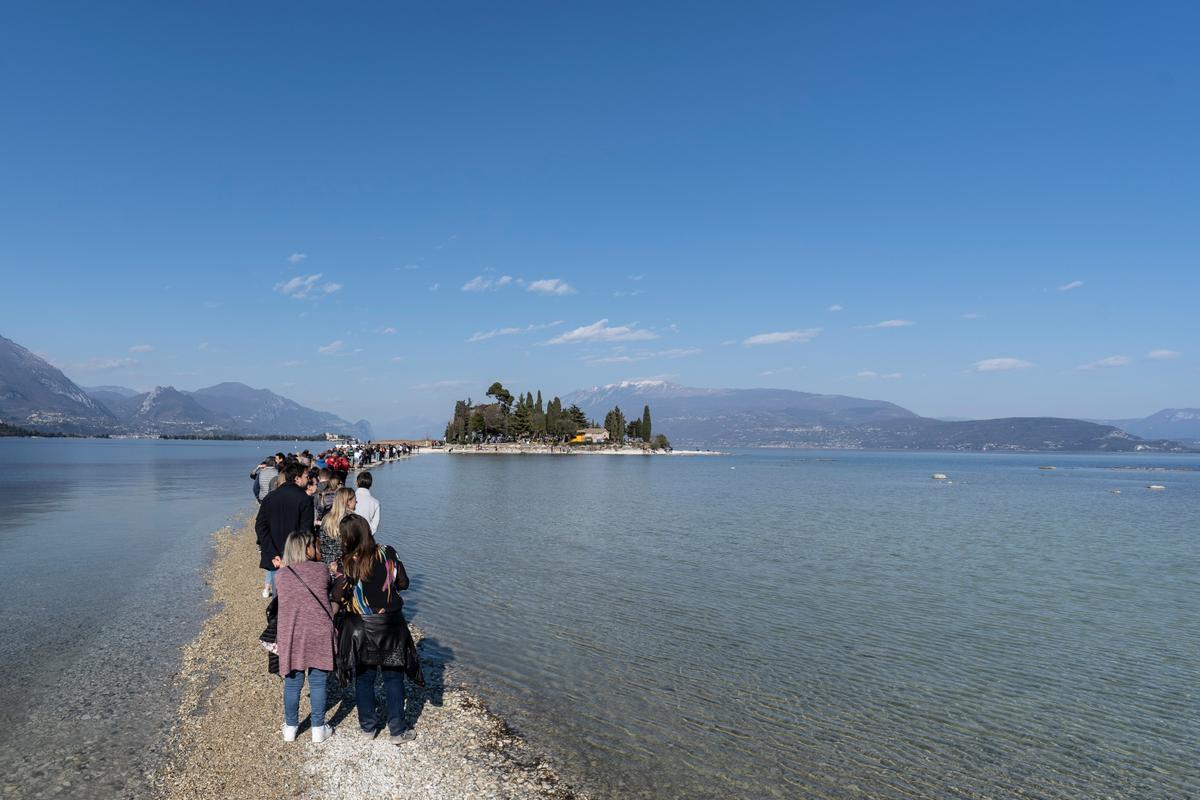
37, 396
693, 417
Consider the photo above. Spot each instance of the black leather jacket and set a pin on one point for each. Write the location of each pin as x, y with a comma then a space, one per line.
376, 640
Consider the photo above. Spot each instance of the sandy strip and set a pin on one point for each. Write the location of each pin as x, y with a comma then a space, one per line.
227, 743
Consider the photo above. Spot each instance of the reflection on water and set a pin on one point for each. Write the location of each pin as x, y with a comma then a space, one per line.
830, 625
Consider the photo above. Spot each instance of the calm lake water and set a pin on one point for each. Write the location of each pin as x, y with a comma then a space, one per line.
762, 625
102, 557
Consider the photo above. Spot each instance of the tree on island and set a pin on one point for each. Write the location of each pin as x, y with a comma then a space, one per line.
502, 395
614, 423
646, 430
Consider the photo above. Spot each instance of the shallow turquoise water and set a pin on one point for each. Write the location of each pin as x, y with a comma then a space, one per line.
786, 624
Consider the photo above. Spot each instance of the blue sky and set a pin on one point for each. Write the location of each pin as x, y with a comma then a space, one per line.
968, 209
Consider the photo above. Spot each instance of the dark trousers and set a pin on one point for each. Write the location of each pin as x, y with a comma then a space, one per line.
364, 698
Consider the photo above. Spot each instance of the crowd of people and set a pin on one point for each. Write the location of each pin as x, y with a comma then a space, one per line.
335, 615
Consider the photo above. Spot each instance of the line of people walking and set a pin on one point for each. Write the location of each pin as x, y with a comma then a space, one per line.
336, 612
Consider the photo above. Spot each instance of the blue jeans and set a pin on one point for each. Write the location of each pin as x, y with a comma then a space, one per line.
364, 698
269, 578
293, 682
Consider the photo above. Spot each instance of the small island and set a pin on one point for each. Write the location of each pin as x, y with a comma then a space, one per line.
523, 424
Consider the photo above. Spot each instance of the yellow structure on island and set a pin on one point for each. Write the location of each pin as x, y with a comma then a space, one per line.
590, 436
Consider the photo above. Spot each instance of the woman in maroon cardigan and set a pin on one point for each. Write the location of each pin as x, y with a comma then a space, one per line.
305, 632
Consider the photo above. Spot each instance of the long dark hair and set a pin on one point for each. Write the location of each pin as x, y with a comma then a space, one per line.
359, 550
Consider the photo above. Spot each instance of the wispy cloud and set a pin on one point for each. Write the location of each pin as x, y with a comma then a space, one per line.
202, 346
1066, 287
291, 364
1111, 361
972, 315
296, 258
332, 348
601, 331
1000, 364
550, 286
101, 364
424, 387
643, 355
633, 293
836, 307
782, 337
484, 283
390, 331
635, 277
886, 376
303, 286
141, 348
480, 336
769, 372
434, 287
1163, 355
398, 359
890, 323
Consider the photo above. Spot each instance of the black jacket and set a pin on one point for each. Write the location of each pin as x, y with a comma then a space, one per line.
287, 509
376, 640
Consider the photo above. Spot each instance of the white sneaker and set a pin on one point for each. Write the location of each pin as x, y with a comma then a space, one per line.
289, 732
321, 734
266, 591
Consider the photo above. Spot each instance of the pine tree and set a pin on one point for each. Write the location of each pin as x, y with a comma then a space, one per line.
646, 429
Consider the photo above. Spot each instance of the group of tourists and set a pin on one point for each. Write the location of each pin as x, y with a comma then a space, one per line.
335, 614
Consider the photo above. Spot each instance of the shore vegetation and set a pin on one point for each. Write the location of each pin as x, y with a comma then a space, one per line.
526, 419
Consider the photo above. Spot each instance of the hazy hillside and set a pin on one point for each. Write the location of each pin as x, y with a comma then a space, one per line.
732, 417
36, 395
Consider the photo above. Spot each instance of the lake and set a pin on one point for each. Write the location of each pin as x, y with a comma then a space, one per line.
766, 624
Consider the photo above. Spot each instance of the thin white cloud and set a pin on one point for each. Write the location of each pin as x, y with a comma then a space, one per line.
291, 364
398, 359
296, 258
782, 337
481, 336
435, 287
141, 348
972, 315
332, 348
644, 355
601, 331
635, 277
202, 346
1111, 361
99, 364
441, 385
890, 323
483, 283
1163, 355
1066, 287
768, 372
303, 286
836, 307
390, 331
1000, 364
633, 293
550, 286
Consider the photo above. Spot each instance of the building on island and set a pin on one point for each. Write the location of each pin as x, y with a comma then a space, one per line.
591, 436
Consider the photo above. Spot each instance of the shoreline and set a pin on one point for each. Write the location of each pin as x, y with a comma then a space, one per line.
509, 448
226, 741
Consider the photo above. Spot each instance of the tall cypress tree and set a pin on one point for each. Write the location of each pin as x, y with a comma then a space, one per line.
646, 424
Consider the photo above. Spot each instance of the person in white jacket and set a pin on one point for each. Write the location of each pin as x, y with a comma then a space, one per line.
367, 506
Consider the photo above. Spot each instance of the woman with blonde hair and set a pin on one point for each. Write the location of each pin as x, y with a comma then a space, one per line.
305, 632
344, 502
